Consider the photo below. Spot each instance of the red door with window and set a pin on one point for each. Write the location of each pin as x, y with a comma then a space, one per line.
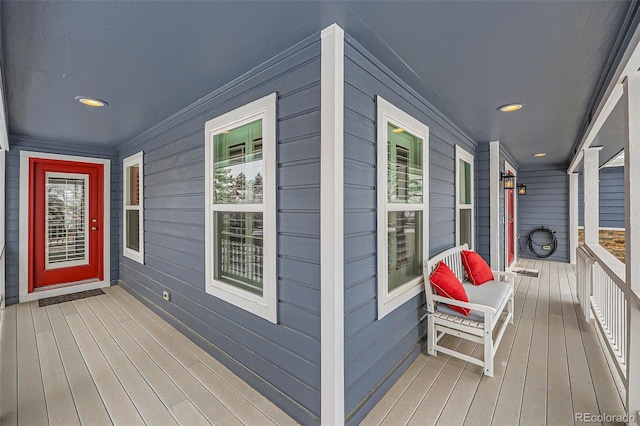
66, 208
510, 225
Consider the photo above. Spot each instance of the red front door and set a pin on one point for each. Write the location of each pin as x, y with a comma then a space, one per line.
66, 208
510, 226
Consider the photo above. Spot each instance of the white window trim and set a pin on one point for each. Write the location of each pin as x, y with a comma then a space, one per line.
132, 160
264, 306
23, 266
463, 154
389, 301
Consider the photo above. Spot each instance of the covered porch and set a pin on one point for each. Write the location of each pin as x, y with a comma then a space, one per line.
110, 360
550, 368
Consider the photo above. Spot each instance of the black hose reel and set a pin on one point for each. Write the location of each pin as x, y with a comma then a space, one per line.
542, 242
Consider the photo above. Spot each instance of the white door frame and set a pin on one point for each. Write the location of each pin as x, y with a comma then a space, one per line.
25, 296
509, 168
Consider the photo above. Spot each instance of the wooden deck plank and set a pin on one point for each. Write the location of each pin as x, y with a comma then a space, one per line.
114, 309
459, 401
201, 398
484, 403
150, 323
267, 407
8, 370
180, 342
559, 405
60, 406
121, 409
245, 411
381, 409
509, 400
601, 375
582, 390
436, 398
187, 414
32, 409
534, 398
405, 407
89, 405
148, 404
162, 385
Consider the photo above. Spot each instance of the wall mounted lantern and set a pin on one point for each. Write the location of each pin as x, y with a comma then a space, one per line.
508, 181
522, 189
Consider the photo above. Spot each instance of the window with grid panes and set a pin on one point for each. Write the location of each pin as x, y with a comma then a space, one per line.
464, 198
133, 222
240, 222
402, 206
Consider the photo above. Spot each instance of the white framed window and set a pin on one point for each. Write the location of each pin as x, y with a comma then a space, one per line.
133, 207
240, 217
465, 209
403, 206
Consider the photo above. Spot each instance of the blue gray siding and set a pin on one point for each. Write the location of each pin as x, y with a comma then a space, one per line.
281, 360
378, 351
546, 204
611, 198
483, 207
13, 201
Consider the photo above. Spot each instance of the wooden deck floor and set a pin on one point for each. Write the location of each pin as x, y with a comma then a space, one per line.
549, 366
109, 360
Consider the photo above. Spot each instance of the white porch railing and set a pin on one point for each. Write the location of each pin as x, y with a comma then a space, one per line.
604, 296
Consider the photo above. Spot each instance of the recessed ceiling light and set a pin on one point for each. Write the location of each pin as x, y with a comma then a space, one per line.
540, 154
510, 107
92, 102
398, 130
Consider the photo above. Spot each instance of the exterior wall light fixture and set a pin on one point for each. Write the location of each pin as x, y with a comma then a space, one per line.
508, 181
522, 189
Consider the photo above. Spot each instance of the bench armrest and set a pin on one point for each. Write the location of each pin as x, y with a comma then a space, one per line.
474, 306
509, 275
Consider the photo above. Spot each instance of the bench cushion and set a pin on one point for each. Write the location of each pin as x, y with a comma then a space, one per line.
492, 293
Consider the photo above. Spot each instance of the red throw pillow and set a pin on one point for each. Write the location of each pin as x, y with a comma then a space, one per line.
477, 269
446, 284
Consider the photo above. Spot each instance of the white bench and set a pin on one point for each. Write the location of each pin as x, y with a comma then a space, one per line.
490, 303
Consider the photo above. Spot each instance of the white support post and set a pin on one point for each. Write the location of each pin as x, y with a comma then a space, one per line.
332, 226
591, 196
494, 203
573, 216
3, 254
631, 101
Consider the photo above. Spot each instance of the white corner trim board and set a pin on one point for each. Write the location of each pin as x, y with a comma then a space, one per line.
332, 409
494, 203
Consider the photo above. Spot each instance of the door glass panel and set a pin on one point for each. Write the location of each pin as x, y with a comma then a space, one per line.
404, 236
66, 220
465, 226
404, 173
238, 173
239, 258
133, 230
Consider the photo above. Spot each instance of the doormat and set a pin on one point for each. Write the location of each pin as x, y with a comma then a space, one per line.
69, 297
534, 273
